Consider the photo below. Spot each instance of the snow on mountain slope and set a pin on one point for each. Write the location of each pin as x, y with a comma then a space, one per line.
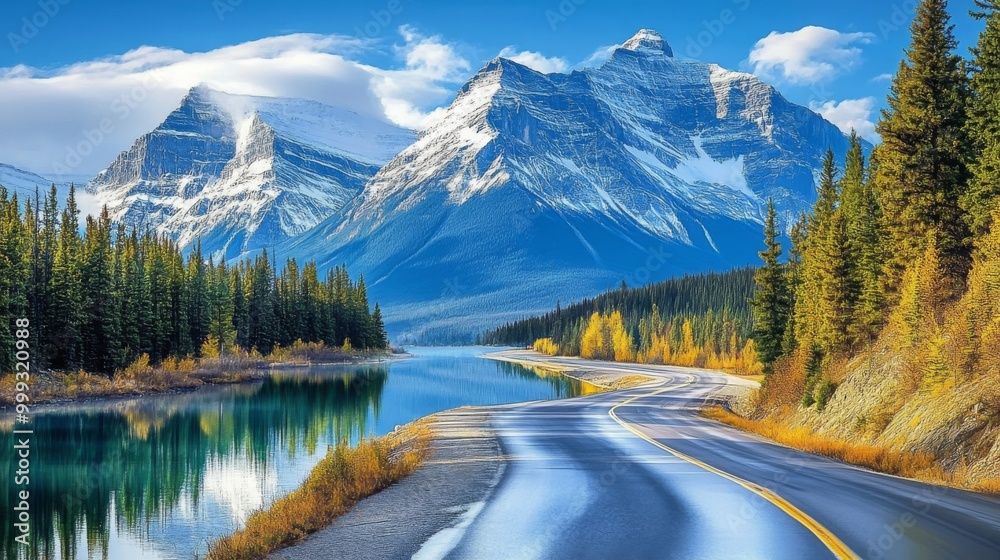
22, 182
537, 187
241, 173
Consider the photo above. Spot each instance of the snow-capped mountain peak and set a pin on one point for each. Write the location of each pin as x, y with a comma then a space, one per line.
241, 172
648, 40
534, 187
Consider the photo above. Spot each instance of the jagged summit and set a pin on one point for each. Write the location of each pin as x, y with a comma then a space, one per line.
647, 39
533, 187
240, 172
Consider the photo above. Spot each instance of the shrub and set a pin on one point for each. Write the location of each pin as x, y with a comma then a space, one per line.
344, 477
546, 346
211, 347
139, 370
824, 391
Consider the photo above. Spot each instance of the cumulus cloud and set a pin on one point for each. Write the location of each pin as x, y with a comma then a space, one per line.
431, 68
536, 61
807, 56
75, 119
850, 114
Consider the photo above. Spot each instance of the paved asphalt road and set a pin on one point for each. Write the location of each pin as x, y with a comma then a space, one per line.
638, 474
583, 484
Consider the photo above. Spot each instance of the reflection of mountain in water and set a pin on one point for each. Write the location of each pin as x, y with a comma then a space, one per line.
79, 481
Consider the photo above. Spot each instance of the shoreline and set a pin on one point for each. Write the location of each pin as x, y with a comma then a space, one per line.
462, 440
193, 383
341, 480
605, 380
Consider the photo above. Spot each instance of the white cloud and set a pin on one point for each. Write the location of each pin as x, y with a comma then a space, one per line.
883, 78
599, 56
431, 68
807, 56
536, 61
850, 114
48, 115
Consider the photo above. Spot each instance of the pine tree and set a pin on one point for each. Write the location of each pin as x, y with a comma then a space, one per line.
794, 275
838, 289
983, 124
197, 297
827, 198
809, 320
15, 243
100, 335
381, 339
177, 293
219, 310
157, 342
852, 184
260, 305
920, 173
241, 311
67, 297
770, 303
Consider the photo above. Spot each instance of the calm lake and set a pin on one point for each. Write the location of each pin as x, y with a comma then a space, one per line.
160, 477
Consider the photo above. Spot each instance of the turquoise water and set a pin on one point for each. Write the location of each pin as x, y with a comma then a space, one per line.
162, 476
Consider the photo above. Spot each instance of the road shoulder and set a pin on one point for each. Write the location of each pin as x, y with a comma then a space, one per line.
465, 465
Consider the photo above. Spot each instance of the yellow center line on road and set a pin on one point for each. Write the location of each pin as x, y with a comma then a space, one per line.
839, 549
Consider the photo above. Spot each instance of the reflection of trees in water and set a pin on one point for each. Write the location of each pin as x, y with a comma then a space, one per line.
143, 455
563, 386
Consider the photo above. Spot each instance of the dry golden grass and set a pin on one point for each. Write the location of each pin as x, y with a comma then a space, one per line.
142, 377
920, 466
344, 477
872, 457
312, 353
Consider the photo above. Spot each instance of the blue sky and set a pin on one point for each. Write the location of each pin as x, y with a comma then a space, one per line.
72, 61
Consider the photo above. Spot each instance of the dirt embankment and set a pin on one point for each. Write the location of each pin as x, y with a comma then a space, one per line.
883, 402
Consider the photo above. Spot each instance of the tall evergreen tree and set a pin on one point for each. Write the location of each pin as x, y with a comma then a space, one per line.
100, 322
983, 124
67, 298
808, 300
920, 173
220, 307
794, 273
15, 244
380, 338
838, 288
770, 303
865, 238
827, 198
197, 297
241, 311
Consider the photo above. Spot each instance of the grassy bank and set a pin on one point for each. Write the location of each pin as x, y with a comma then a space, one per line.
920, 466
141, 377
343, 478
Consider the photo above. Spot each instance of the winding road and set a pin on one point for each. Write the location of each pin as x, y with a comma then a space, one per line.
638, 473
